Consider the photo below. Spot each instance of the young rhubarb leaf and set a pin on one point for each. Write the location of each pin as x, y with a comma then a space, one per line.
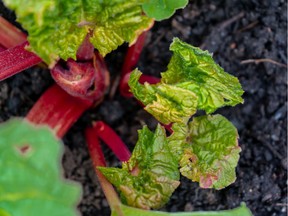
213, 152
167, 103
193, 81
177, 141
239, 211
195, 70
31, 180
57, 28
160, 10
150, 176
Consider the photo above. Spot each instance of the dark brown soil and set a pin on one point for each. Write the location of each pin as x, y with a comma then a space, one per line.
235, 31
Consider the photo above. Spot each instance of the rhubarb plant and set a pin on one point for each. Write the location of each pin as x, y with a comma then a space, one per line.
64, 34
205, 149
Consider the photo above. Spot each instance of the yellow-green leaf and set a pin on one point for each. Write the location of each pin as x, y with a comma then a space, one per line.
213, 152
167, 103
150, 176
57, 28
193, 81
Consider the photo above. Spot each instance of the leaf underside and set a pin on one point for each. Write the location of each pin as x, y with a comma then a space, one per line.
31, 180
57, 28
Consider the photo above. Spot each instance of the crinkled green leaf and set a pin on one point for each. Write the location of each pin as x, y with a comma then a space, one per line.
31, 180
167, 103
193, 81
57, 28
195, 70
213, 153
162, 9
178, 141
239, 211
150, 176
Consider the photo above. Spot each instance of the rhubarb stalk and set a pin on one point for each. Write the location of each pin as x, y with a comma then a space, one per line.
111, 139
10, 36
58, 110
98, 159
15, 60
131, 59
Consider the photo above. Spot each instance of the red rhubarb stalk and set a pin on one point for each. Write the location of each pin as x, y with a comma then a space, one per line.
111, 139
58, 110
98, 159
150, 79
133, 54
15, 60
125, 89
130, 62
131, 59
10, 36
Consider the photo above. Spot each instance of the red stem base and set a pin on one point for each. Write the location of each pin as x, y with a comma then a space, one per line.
57, 109
111, 139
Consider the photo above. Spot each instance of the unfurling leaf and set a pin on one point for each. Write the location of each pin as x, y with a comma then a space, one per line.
195, 70
213, 153
167, 103
31, 180
193, 81
57, 28
150, 176
160, 10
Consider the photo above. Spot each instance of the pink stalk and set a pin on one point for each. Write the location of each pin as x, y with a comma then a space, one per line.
130, 62
111, 139
58, 110
10, 36
150, 79
133, 54
98, 159
131, 59
125, 89
15, 60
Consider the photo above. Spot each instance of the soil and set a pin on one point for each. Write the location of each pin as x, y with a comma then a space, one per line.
234, 31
